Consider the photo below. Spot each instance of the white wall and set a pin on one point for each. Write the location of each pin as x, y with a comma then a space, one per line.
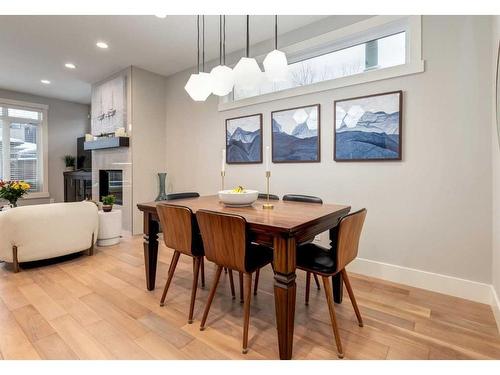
432, 211
496, 174
66, 122
148, 139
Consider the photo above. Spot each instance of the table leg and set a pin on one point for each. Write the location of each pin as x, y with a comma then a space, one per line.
285, 292
338, 288
151, 229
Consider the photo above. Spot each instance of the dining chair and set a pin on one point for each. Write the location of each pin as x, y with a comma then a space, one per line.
305, 199
227, 244
314, 259
181, 233
273, 197
185, 195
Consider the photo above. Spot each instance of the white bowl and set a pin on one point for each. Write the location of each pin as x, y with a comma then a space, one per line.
238, 199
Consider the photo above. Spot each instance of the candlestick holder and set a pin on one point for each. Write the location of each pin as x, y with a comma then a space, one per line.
268, 205
222, 174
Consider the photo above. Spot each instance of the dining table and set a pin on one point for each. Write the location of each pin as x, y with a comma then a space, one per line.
284, 227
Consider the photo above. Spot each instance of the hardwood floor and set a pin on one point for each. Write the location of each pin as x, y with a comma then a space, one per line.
98, 308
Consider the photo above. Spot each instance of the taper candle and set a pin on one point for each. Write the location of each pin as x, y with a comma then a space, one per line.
268, 159
223, 167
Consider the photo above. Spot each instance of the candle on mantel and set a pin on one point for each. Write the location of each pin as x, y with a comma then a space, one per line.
268, 159
223, 167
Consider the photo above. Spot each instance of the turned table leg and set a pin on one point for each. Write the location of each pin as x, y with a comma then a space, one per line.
285, 292
151, 229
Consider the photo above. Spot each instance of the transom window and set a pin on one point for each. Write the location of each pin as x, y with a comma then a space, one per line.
375, 54
21, 137
373, 49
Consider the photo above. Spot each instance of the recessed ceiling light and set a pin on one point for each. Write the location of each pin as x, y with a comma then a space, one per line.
70, 66
45, 81
161, 15
101, 45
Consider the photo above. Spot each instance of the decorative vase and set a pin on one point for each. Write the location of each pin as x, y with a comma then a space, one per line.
107, 207
162, 195
13, 204
69, 169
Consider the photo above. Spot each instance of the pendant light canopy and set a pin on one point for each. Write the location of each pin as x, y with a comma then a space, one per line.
275, 63
222, 75
200, 85
247, 73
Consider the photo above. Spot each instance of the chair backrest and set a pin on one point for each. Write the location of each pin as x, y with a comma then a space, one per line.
224, 238
302, 198
190, 194
271, 196
349, 232
179, 229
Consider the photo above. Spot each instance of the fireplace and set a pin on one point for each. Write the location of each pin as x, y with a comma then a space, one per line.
111, 182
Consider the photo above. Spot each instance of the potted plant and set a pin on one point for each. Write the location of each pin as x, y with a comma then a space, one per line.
13, 190
69, 161
107, 202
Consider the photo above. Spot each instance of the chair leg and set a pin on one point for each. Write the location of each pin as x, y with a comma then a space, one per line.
317, 281
211, 297
351, 296
15, 262
246, 309
225, 270
257, 273
171, 271
90, 250
231, 283
241, 287
308, 286
197, 263
202, 272
331, 308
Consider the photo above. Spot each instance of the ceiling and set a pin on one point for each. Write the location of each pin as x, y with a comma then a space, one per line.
37, 47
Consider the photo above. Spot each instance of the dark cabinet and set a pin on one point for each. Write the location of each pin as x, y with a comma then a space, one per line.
77, 186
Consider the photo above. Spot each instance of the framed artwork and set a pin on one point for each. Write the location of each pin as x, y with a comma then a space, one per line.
244, 140
296, 135
368, 128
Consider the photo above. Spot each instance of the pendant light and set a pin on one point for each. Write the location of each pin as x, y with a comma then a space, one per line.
199, 85
275, 63
247, 73
222, 75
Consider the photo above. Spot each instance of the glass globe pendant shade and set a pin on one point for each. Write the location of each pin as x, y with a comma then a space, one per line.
222, 80
199, 86
247, 73
276, 66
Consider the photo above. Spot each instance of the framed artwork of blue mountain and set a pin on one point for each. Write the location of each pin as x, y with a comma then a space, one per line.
244, 140
368, 128
296, 135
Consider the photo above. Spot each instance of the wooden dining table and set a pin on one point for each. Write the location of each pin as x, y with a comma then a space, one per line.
283, 228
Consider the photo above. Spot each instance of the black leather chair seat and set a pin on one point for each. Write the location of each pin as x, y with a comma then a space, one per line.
316, 259
257, 256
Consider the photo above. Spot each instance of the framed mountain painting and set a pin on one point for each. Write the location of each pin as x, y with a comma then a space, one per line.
368, 128
296, 135
244, 140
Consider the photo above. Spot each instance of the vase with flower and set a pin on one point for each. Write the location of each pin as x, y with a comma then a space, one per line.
12, 191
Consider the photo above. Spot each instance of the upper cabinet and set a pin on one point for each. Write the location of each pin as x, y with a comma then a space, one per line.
109, 101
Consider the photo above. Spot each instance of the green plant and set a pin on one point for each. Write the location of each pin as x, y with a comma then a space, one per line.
69, 160
109, 200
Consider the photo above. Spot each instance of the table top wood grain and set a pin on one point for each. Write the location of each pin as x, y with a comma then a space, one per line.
289, 217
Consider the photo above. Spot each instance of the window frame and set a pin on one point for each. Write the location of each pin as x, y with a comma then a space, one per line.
43, 169
361, 32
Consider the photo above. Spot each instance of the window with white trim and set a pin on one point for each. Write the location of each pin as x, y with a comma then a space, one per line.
377, 48
21, 144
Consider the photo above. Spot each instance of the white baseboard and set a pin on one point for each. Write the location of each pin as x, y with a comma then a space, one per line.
454, 286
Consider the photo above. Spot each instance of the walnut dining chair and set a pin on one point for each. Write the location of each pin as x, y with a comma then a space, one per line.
227, 244
319, 261
181, 233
